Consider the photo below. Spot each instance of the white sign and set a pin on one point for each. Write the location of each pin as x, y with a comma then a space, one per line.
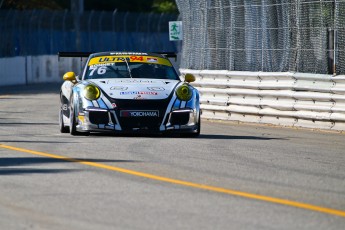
175, 31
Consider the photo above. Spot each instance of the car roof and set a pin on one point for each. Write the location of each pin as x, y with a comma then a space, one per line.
122, 53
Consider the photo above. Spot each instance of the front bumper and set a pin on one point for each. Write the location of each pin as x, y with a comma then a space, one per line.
95, 119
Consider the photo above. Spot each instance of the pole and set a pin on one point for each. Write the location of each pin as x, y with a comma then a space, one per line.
77, 9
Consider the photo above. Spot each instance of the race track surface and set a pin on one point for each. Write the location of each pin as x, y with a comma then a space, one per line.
234, 176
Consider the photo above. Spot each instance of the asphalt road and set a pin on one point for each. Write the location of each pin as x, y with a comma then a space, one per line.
234, 176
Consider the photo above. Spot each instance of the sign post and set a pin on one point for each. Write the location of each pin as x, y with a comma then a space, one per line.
175, 31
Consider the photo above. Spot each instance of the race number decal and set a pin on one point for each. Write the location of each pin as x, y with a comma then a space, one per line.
100, 70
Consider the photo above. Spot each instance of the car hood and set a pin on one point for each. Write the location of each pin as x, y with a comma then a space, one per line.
136, 88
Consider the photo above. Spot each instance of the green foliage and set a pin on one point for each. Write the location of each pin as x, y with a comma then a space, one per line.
31, 4
165, 6
159, 6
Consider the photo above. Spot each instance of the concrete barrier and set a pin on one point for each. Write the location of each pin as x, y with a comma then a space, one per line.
13, 71
289, 99
40, 69
36, 69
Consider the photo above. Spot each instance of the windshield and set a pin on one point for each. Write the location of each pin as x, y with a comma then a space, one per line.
130, 67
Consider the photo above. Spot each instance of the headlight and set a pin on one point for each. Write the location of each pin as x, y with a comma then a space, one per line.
184, 93
91, 92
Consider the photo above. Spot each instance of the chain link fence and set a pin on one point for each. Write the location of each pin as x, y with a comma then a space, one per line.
264, 35
40, 32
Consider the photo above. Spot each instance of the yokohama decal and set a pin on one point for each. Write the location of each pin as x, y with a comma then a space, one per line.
139, 114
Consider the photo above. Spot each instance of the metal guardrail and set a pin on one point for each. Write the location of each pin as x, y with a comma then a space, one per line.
281, 98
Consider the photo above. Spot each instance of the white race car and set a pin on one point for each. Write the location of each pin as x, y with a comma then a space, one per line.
128, 92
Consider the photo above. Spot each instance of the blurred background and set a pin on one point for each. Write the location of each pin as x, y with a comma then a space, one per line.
305, 36
39, 27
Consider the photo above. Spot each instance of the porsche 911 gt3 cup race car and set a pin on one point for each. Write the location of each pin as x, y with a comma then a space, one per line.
128, 92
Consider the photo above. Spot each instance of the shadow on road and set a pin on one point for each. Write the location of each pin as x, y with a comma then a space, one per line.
21, 161
19, 171
25, 123
24, 161
173, 135
231, 137
35, 141
31, 89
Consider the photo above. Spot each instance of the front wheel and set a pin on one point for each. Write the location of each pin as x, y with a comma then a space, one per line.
72, 126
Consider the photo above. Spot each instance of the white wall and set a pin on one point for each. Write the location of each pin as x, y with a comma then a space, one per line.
12, 71
36, 69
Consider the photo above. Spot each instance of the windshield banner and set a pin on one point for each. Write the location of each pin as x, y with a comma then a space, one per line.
141, 59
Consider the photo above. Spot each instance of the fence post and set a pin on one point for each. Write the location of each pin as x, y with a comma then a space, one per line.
137, 29
51, 32
125, 31
113, 28
331, 50
101, 44
77, 8
16, 47
89, 28
64, 29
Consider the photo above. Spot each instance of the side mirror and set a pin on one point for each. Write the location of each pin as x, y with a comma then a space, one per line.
189, 78
69, 76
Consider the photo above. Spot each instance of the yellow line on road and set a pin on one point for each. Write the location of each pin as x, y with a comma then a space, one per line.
186, 183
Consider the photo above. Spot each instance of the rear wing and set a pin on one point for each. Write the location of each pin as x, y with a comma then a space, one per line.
74, 54
168, 54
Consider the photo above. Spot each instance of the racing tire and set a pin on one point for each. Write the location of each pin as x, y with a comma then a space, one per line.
72, 125
73, 121
62, 127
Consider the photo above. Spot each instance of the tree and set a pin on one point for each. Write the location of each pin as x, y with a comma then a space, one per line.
159, 6
165, 6
34, 4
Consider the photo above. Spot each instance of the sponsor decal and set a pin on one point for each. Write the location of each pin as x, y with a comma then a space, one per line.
127, 53
138, 93
106, 60
138, 97
101, 60
136, 58
114, 105
152, 60
100, 65
153, 113
138, 81
156, 88
122, 88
